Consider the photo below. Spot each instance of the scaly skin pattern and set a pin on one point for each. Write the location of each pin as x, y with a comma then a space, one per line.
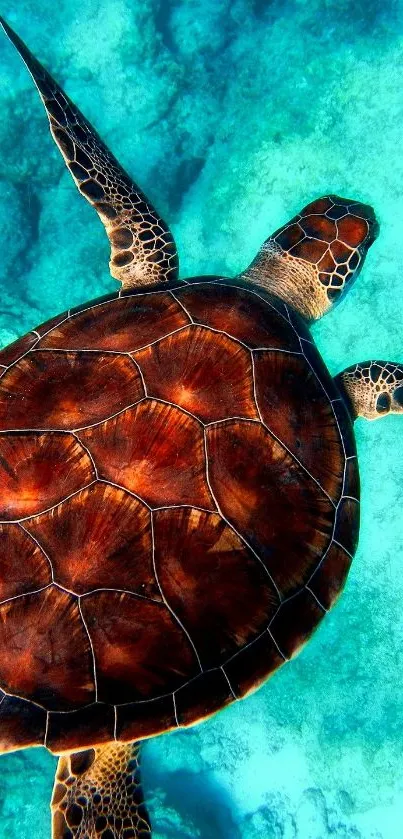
97, 795
179, 510
373, 388
142, 247
313, 259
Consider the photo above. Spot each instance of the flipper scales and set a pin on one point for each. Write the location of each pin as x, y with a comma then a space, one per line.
372, 389
97, 795
143, 250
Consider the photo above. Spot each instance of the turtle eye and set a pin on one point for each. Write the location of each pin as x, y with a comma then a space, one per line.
398, 395
383, 403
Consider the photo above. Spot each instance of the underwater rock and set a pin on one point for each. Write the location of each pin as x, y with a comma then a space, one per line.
15, 227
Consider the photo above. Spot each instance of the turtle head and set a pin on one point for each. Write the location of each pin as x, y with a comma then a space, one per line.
313, 259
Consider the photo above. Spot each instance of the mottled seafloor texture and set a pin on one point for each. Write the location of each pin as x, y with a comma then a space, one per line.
232, 114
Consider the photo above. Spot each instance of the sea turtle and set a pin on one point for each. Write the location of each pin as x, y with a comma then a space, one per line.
179, 485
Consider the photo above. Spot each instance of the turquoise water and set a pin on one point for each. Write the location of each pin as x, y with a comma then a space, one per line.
232, 115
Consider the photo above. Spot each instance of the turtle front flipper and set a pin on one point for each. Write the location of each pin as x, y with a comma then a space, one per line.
97, 795
143, 250
314, 258
372, 389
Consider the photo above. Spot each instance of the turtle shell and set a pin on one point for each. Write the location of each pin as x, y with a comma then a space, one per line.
178, 510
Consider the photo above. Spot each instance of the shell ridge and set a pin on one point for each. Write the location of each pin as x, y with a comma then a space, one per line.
234, 529
94, 663
280, 441
173, 613
35, 540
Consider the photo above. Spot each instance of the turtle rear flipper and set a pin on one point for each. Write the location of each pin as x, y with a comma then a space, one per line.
372, 389
143, 250
314, 258
98, 793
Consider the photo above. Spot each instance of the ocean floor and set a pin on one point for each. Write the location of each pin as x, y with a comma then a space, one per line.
232, 115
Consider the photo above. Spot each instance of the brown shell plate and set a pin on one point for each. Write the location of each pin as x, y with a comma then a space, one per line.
178, 510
